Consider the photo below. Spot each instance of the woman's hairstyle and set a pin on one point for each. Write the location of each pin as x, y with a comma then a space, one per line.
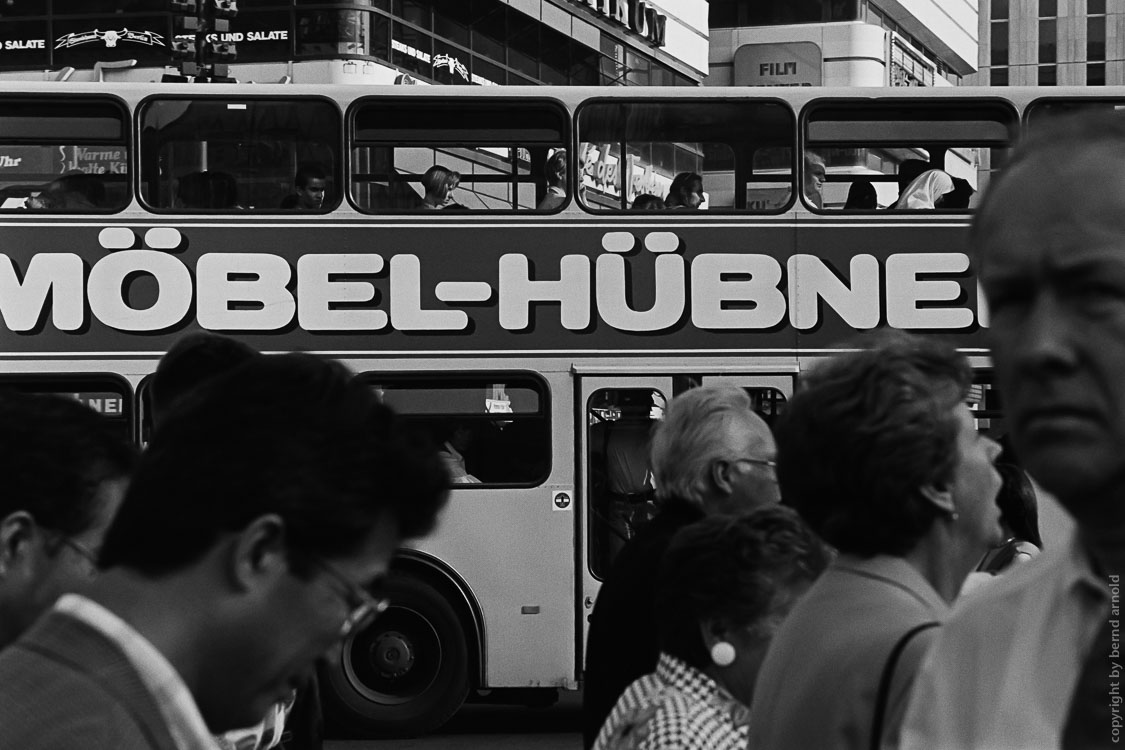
680, 187
692, 436
743, 571
438, 177
865, 432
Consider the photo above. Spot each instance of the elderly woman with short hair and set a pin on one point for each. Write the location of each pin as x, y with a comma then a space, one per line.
879, 452
725, 583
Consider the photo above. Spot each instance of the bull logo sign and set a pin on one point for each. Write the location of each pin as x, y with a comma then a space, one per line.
111, 37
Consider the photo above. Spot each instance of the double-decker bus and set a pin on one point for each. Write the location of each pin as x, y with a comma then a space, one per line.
525, 340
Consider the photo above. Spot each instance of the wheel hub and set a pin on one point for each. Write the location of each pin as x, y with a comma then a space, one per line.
392, 654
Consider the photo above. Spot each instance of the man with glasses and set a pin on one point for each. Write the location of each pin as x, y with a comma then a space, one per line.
64, 473
252, 539
712, 455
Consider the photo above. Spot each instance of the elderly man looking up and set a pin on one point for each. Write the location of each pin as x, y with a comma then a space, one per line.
880, 454
712, 455
1032, 661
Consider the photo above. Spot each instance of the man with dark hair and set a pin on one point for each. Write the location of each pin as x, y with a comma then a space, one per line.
1033, 659
879, 452
64, 474
193, 360
310, 185
252, 540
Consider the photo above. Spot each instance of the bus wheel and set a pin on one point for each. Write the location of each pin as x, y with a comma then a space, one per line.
408, 672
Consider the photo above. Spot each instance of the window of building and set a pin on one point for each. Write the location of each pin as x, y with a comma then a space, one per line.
998, 76
64, 156
737, 13
236, 155
1095, 7
999, 46
1048, 8
492, 155
1095, 38
492, 429
1095, 74
742, 152
1048, 75
890, 145
999, 9
1048, 43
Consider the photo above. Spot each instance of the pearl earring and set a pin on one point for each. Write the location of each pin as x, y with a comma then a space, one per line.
722, 653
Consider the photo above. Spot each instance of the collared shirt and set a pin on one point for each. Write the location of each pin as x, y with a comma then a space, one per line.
177, 706
818, 684
677, 706
455, 464
1002, 672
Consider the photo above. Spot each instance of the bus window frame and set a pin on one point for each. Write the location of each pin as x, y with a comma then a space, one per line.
89, 382
692, 102
1035, 106
337, 175
868, 106
499, 103
372, 378
127, 142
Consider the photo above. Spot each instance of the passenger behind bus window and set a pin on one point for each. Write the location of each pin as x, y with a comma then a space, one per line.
555, 169
647, 202
959, 196
926, 191
861, 195
71, 192
908, 171
206, 189
310, 185
686, 191
458, 439
439, 184
815, 172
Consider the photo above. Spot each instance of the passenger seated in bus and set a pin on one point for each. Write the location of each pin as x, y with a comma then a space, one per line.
439, 184
686, 191
959, 196
71, 192
556, 181
206, 189
861, 195
647, 202
458, 439
309, 186
908, 171
926, 191
815, 171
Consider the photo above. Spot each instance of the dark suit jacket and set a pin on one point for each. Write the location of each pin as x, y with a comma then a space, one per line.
65, 686
621, 644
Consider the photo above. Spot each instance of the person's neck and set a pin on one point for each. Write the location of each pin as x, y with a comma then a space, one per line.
944, 559
163, 611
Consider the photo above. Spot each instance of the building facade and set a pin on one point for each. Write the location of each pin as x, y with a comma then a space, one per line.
842, 42
1051, 42
451, 42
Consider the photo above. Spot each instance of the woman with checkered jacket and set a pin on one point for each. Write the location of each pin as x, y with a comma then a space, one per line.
725, 583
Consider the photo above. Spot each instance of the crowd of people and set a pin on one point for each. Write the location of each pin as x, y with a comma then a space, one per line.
800, 585
897, 597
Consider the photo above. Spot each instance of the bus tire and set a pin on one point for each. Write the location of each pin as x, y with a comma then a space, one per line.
408, 672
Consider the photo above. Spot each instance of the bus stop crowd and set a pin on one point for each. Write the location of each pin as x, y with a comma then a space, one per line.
799, 587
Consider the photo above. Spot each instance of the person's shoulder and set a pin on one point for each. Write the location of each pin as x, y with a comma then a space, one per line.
289, 201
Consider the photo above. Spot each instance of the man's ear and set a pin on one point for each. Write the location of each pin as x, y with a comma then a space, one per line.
941, 496
720, 476
18, 531
259, 551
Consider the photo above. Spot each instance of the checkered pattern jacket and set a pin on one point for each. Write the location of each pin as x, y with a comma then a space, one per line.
676, 706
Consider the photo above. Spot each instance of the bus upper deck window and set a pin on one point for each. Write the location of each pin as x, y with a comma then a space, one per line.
215, 154
685, 155
64, 156
902, 154
459, 155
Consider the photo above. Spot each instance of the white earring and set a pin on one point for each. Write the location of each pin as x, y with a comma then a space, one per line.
722, 653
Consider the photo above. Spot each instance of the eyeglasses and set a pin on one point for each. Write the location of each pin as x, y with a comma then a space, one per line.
364, 607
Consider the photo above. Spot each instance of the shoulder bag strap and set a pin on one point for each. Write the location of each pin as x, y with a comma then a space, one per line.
883, 695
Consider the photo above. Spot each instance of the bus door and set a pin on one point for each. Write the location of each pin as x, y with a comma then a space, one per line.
615, 416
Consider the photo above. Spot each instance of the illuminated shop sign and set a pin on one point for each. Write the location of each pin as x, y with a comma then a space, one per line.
110, 38
782, 64
638, 16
